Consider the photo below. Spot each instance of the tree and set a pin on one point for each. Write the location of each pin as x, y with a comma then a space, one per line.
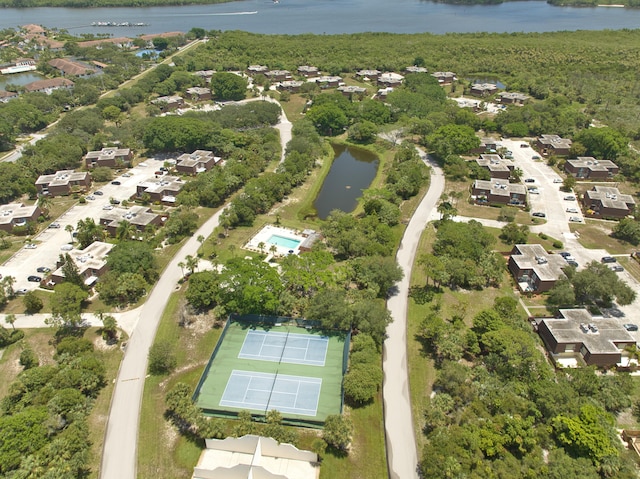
453, 140
69, 229
32, 303
200, 240
228, 87
627, 229
162, 358
28, 358
88, 231
11, 319
596, 282
337, 431
66, 305
109, 328
134, 257
511, 233
201, 292
569, 183
329, 118
361, 383
377, 273
605, 143
191, 262
160, 43
124, 230
71, 272
330, 307
44, 203
434, 269
562, 294
363, 132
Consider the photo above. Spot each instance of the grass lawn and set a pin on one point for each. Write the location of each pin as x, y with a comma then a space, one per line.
596, 235
293, 108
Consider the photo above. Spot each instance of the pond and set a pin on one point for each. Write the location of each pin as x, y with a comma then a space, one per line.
352, 171
19, 79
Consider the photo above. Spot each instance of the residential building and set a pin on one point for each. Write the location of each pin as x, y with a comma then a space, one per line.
608, 202
48, 86
587, 167
534, 269
257, 69
168, 103
497, 167
160, 188
445, 78
512, 98
278, 75
483, 89
587, 340
382, 93
63, 182
310, 238
367, 75
120, 42
196, 162
6, 96
498, 192
255, 457
149, 37
308, 71
33, 29
290, 85
198, 93
554, 145
70, 68
327, 81
205, 75
390, 79
91, 263
110, 157
141, 217
487, 145
348, 90
17, 214
101, 66
416, 69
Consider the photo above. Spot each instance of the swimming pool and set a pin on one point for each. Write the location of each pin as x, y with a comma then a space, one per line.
283, 241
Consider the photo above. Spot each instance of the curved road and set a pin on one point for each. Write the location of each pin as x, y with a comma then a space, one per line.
119, 455
402, 455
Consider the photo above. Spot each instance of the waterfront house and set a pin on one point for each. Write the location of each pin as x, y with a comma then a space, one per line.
49, 86
6, 96
120, 42
70, 68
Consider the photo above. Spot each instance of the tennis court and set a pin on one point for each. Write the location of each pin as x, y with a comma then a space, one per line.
265, 391
288, 347
282, 365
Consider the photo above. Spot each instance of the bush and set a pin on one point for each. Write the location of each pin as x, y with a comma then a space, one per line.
543, 236
558, 244
162, 359
28, 359
73, 346
82, 200
362, 383
32, 302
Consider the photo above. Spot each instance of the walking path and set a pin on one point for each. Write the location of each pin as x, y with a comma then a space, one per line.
402, 454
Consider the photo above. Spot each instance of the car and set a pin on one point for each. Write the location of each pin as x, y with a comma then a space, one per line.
535, 157
572, 210
630, 327
116, 182
558, 180
98, 193
524, 145
142, 165
30, 246
539, 214
534, 191
530, 180
572, 263
575, 219
34, 279
43, 269
127, 175
91, 197
564, 254
66, 247
54, 225
608, 259
570, 198
163, 168
107, 207
616, 267
113, 201
22, 291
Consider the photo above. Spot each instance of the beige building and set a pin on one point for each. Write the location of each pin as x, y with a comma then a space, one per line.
110, 157
255, 457
17, 214
63, 182
141, 217
608, 202
91, 263
534, 269
197, 162
161, 188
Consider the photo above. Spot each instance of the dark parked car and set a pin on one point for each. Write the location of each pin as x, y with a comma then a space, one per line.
43, 269
630, 327
608, 259
539, 214
617, 268
99, 193
117, 183
572, 263
530, 180
34, 279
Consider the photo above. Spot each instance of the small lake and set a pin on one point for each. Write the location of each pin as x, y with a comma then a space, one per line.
352, 171
19, 79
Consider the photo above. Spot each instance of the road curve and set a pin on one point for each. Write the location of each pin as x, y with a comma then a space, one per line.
402, 455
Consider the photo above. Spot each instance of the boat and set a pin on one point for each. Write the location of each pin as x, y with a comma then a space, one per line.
119, 24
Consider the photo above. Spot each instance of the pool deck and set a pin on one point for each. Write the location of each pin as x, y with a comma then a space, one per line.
265, 233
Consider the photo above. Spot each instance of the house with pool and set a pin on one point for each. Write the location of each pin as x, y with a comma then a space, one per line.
279, 241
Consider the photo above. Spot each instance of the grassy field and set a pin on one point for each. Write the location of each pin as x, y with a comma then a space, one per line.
597, 235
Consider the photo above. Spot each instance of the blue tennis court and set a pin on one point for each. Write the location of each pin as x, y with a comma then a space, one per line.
289, 348
265, 391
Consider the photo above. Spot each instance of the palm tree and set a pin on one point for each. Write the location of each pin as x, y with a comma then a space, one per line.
69, 229
124, 231
261, 246
200, 239
181, 265
273, 249
44, 203
191, 263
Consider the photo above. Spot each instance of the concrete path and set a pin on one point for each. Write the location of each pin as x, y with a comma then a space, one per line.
402, 454
126, 321
119, 458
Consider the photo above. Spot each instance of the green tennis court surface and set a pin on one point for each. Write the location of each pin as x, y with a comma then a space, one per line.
275, 365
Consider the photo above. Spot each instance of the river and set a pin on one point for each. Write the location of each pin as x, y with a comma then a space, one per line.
330, 17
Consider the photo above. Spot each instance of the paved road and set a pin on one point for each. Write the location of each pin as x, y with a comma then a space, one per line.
402, 455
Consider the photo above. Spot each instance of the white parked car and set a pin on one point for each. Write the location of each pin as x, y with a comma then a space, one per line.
107, 207
66, 247
557, 180
570, 198
575, 219
572, 210
30, 246
534, 191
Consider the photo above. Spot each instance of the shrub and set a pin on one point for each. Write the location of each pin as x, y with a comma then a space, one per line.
32, 302
543, 236
73, 346
28, 359
557, 244
162, 359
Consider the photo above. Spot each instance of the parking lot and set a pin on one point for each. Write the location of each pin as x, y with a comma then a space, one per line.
50, 241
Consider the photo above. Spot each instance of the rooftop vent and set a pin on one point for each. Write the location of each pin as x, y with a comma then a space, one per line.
541, 260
